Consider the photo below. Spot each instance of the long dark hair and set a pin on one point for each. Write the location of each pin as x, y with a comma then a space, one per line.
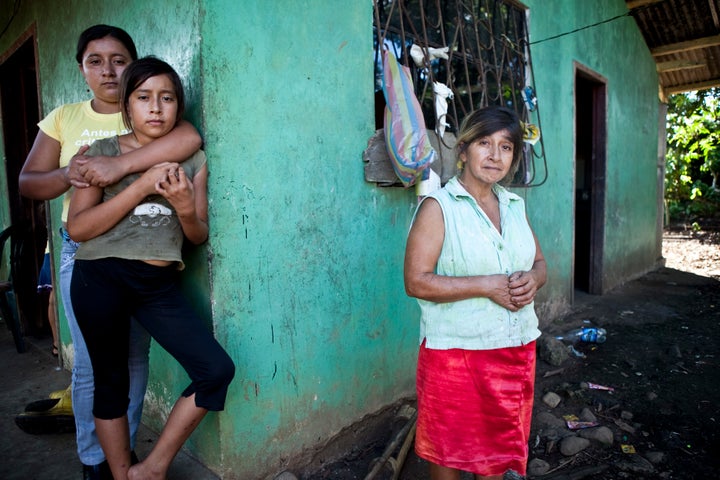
97, 32
139, 71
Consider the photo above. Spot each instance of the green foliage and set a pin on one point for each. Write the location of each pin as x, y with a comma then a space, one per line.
692, 169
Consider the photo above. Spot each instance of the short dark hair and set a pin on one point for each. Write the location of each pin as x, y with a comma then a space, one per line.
486, 121
140, 70
97, 32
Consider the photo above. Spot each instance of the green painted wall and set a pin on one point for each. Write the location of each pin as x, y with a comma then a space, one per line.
301, 278
306, 256
616, 51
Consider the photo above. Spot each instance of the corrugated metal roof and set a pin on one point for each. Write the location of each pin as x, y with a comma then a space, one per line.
684, 38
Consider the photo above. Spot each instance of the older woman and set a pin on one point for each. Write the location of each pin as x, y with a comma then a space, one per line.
475, 265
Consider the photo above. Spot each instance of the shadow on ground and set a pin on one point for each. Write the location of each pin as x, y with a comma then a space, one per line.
661, 359
30, 376
659, 421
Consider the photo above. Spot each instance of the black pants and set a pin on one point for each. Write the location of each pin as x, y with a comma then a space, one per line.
106, 293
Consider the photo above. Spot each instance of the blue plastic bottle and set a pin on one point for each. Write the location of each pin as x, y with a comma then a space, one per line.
585, 334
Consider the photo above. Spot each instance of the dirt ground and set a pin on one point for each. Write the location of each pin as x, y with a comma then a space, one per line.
660, 360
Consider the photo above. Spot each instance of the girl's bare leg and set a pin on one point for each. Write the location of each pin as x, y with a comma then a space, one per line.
52, 319
183, 419
114, 437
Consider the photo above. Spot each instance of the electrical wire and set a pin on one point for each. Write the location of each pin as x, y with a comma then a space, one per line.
582, 28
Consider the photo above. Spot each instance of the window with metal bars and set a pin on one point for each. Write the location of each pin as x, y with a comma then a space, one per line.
479, 49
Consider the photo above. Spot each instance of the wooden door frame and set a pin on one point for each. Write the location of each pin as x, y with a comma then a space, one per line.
598, 173
20, 118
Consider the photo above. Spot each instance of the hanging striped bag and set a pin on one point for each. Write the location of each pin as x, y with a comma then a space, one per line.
405, 133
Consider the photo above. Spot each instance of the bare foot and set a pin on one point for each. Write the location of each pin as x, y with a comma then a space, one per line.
142, 471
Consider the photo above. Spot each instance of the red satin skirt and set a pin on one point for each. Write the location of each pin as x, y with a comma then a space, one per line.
475, 408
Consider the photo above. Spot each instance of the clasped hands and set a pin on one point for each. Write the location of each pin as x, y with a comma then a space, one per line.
514, 291
169, 180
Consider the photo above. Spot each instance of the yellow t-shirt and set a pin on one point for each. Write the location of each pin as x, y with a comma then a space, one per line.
75, 125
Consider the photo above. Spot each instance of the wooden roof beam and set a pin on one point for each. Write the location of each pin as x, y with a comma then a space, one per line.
691, 87
714, 14
639, 3
675, 65
685, 46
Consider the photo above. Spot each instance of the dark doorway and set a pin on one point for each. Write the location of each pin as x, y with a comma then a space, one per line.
20, 114
590, 163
